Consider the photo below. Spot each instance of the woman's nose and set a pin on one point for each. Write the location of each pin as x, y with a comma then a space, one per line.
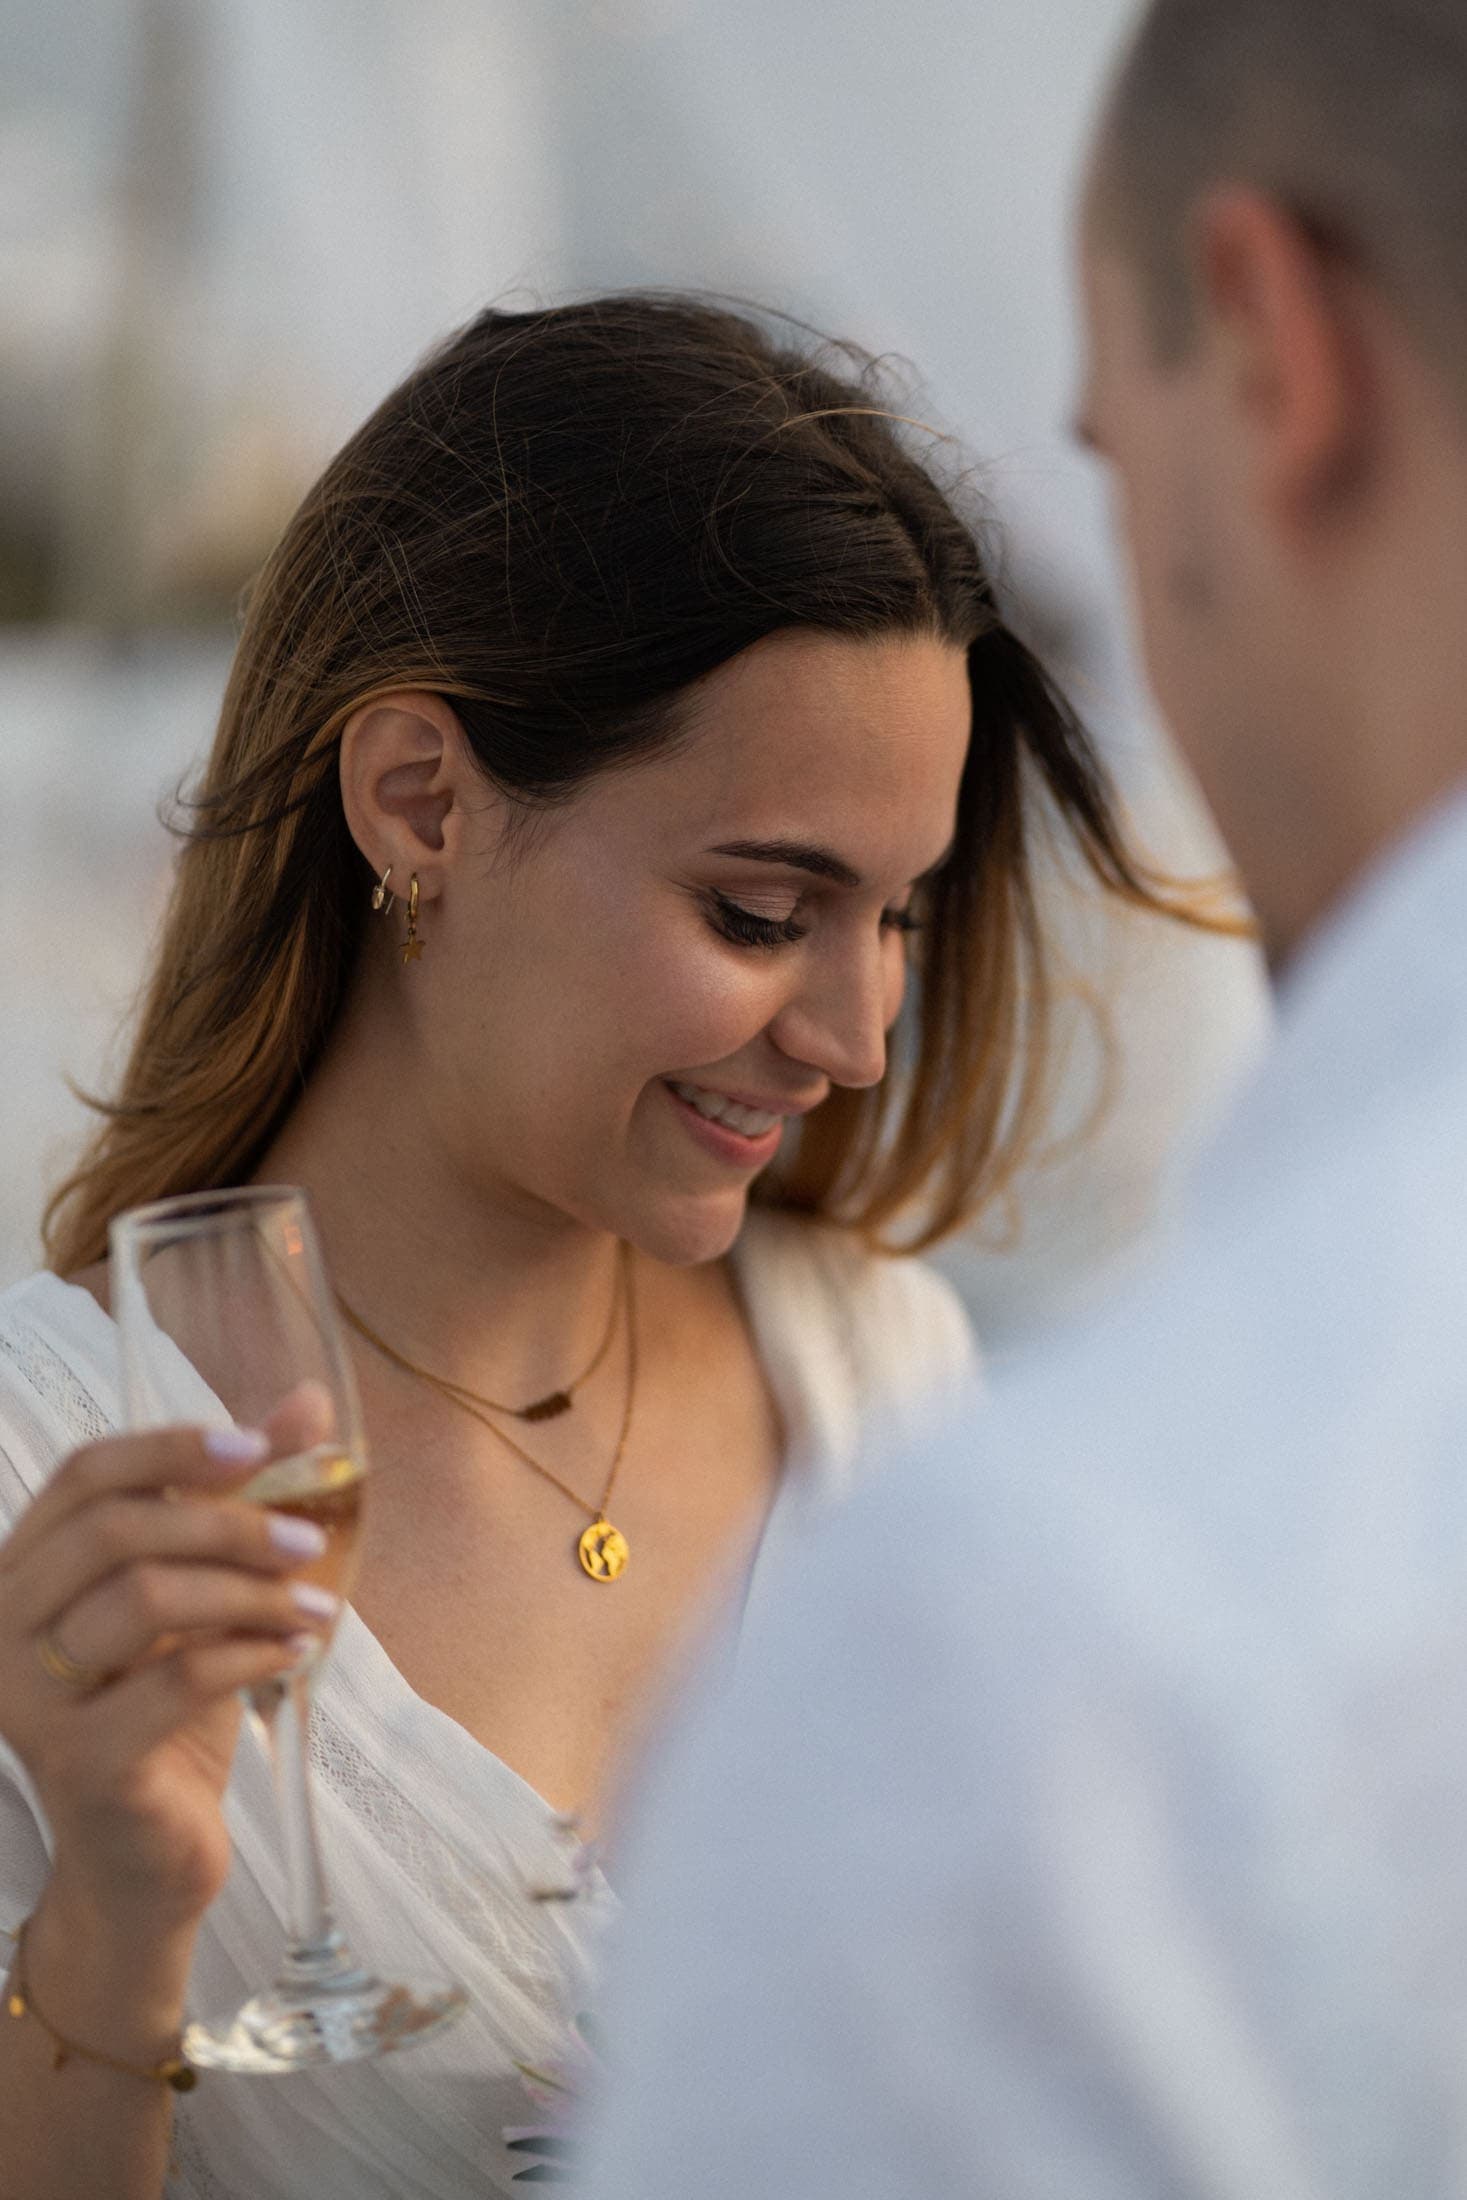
839, 1020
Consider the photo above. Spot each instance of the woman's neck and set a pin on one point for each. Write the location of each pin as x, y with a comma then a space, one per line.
479, 1284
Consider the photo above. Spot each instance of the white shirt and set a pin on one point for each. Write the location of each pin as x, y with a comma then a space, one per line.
1089, 1820
433, 1845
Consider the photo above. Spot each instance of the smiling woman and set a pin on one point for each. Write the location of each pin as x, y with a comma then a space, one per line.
561, 526
624, 736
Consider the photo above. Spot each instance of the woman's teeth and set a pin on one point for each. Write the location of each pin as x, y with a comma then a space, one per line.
748, 1122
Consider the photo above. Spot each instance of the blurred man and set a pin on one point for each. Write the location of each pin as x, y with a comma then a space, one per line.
1092, 1819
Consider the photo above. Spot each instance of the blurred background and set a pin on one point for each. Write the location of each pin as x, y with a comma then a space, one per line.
227, 229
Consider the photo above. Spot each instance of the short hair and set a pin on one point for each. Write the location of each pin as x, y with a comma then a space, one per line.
1351, 113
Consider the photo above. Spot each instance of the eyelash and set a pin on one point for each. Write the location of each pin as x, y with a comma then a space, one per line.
747, 930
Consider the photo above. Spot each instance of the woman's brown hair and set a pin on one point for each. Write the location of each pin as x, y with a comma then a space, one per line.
560, 522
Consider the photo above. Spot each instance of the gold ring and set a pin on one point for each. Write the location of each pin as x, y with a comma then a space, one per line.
84, 1679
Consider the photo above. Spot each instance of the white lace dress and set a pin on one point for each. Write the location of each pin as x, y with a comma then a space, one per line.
435, 1846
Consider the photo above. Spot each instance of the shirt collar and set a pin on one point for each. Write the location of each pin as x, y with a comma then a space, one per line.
1376, 998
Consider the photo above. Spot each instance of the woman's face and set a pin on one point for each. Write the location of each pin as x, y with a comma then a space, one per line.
621, 1010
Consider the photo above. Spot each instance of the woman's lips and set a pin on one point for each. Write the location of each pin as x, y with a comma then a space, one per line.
743, 1150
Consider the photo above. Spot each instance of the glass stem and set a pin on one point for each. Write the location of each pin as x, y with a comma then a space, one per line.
317, 1954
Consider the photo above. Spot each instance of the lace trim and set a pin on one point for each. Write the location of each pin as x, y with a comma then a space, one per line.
515, 1935
189, 2175
44, 1370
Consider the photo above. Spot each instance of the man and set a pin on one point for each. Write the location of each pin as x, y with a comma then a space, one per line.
1092, 1819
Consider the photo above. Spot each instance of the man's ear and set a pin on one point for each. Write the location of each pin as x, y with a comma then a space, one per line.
1278, 314
404, 767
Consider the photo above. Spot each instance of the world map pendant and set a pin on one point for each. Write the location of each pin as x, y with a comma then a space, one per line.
603, 1551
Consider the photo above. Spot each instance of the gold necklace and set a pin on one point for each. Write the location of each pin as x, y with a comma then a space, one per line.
602, 1549
548, 1408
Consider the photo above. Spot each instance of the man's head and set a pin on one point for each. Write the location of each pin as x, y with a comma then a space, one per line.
1275, 245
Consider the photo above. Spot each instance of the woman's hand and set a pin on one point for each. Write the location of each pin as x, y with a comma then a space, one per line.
135, 1563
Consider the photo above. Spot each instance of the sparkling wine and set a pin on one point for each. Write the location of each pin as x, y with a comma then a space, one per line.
324, 1485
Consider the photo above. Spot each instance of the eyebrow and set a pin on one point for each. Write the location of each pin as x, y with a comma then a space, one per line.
792, 855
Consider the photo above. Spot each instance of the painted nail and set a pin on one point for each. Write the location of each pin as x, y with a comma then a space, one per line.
236, 1447
298, 1648
296, 1538
319, 1603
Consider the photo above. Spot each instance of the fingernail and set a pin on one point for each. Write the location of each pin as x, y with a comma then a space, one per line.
296, 1538
236, 1447
300, 1647
320, 1603
310, 1398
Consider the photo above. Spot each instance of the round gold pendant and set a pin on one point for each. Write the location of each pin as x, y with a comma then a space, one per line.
603, 1551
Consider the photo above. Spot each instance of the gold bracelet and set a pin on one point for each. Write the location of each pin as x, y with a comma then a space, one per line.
21, 2002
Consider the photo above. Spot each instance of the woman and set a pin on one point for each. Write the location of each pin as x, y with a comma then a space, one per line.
622, 717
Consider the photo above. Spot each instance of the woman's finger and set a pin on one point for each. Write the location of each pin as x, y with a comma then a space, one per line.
120, 1724
160, 1459
118, 1534
123, 1622
304, 1417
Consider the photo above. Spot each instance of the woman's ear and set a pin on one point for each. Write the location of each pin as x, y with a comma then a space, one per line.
404, 767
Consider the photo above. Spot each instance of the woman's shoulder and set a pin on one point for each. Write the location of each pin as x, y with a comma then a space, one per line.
58, 1382
43, 1318
899, 1326
28, 1299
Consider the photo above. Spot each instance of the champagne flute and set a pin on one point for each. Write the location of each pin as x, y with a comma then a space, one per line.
225, 1314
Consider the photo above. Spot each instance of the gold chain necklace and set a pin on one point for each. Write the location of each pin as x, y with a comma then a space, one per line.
602, 1549
548, 1408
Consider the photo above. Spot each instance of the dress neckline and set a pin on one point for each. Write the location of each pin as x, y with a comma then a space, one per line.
408, 1739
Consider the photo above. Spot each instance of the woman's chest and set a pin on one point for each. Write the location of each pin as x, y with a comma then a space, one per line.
472, 1581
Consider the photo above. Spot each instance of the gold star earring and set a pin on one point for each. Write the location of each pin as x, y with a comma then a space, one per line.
412, 947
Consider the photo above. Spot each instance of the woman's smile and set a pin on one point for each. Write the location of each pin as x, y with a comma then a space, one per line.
747, 1137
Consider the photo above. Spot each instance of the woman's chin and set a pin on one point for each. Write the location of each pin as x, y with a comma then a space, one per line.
687, 1233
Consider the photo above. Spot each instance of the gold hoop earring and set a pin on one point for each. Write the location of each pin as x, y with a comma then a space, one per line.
412, 948
381, 899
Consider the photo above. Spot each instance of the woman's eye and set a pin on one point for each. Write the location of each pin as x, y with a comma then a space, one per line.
747, 929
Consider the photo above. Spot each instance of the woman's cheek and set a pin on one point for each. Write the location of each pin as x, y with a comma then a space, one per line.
714, 1003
